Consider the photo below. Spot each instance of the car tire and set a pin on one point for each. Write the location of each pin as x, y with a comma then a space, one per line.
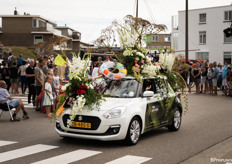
133, 132
176, 121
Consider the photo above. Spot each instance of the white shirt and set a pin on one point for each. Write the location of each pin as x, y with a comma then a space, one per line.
22, 69
95, 72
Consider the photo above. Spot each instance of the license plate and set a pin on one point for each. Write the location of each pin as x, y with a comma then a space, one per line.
81, 124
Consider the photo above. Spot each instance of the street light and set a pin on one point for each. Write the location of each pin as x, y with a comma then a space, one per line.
186, 32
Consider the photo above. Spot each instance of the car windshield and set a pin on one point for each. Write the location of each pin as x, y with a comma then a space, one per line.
125, 88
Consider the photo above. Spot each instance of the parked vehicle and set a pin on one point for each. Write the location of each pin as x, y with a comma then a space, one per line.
131, 109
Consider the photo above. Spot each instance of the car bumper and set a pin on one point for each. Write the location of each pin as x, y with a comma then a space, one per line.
108, 130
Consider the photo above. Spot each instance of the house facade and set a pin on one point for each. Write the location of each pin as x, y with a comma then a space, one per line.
157, 42
28, 30
207, 40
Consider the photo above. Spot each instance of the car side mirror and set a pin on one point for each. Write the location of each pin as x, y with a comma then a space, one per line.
148, 94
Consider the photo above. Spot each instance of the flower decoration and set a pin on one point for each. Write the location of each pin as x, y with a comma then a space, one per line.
79, 91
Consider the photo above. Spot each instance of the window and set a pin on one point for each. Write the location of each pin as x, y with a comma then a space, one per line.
202, 55
227, 39
34, 23
202, 18
227, 56
167, 38
42, 23
38, 38
202, 37
228, 15
155, 38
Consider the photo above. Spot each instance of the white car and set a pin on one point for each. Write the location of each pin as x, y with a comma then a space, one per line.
131, 109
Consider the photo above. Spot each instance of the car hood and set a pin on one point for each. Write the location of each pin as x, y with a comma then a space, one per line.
111, 103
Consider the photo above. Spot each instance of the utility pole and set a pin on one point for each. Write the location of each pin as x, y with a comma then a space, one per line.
137, 9
186, 33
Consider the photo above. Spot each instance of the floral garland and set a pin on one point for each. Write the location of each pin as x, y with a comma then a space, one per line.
79, 91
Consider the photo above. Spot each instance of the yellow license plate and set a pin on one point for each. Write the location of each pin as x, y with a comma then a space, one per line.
81, 125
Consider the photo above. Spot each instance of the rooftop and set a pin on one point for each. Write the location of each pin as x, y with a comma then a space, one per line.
208, 8
28, 16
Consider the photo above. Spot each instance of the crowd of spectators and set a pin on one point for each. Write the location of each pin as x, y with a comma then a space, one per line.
208, 77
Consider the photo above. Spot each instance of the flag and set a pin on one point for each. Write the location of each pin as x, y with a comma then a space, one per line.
60, 110
59, 60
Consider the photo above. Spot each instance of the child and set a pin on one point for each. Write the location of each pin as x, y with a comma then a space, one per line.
48, 97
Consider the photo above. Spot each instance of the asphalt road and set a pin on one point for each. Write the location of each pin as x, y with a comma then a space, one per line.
207, 123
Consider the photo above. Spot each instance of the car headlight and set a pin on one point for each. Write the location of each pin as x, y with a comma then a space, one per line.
114, 113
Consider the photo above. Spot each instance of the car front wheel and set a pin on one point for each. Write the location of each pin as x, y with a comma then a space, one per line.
176, 121
133, 132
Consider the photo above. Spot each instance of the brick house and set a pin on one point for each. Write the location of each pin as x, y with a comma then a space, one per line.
28, 30
156, 42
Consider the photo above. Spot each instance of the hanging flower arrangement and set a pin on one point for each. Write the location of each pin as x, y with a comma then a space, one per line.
79, 91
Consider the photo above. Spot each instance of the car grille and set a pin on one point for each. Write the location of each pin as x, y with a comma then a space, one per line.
95, 121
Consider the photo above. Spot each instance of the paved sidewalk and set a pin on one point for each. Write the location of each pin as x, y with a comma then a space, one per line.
220, 153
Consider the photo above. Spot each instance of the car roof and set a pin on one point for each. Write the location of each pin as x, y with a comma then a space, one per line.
130, 77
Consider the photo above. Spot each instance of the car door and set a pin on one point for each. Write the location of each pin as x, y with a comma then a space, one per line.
154, 109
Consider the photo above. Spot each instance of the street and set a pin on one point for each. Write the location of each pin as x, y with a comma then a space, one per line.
206, 124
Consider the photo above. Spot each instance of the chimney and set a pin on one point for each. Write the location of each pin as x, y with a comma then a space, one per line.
15, 12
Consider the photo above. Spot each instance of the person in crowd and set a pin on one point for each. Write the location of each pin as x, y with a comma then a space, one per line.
229, 80
30, 74
22, 73
224, 72
219, 76
204, 71
11, 58
214, 77
13, 103
45, 65
56, 78
61, 92
96, 70
184, 75
13, 78
196, 73
189, 77
99, 59
39, 81
48, 97
209, 76
20, 60
5, 74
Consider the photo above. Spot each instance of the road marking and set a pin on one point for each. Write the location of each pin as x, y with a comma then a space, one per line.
69, 157
9, 155
4, 143
129, 159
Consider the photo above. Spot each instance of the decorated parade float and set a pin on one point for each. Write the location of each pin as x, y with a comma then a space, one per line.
131, 96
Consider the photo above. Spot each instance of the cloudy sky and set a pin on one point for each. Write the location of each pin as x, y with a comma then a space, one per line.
90, 16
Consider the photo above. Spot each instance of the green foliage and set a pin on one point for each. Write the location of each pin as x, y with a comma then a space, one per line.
27, 53
61, 101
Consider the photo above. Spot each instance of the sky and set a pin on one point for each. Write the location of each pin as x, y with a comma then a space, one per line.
91, 16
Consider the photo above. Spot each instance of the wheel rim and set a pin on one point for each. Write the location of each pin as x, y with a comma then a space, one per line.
177, 119
135, 131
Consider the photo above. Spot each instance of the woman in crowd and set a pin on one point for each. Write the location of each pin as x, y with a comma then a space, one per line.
204, 82
22, 73
96, 68
209, 76
196, 73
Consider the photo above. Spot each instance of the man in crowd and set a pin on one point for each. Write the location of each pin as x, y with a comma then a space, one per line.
39, 81
30, 74
214, 77
13, 103
224, 72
